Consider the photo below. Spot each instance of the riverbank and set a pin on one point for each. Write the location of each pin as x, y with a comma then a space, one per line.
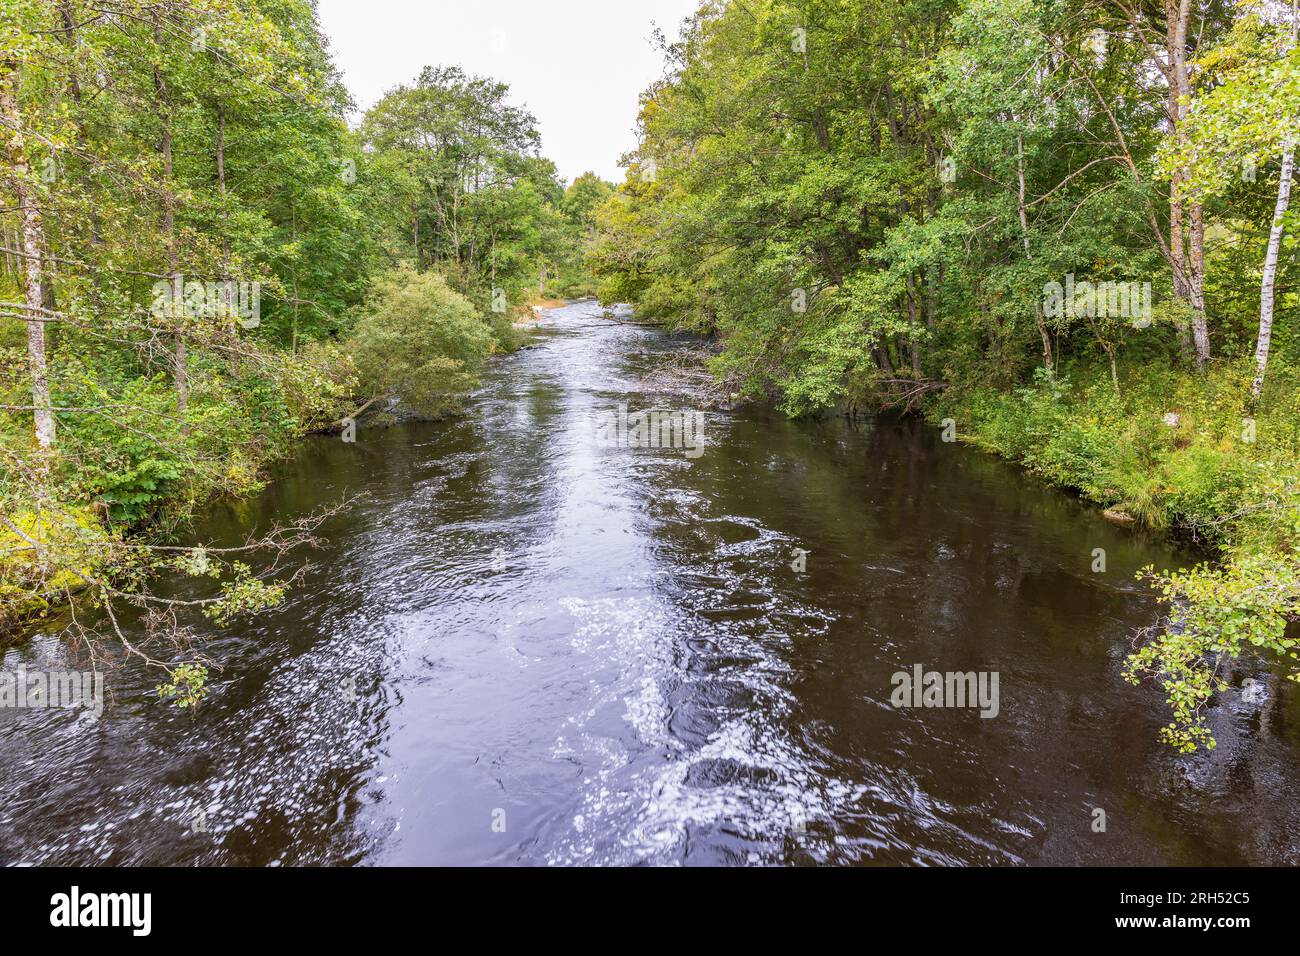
1173, 451
103, 511
85, 512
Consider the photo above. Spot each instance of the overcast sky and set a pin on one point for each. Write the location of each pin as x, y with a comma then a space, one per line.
578, 65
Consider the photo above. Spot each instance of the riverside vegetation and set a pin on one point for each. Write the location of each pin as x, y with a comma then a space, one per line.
203, 261
879, 203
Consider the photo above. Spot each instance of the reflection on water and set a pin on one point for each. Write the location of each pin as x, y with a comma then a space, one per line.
528, 646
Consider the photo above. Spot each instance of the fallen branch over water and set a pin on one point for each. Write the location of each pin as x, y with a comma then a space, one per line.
908, 392
685, 372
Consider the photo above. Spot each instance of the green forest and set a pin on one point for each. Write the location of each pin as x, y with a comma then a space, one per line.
204, 260
1058, 230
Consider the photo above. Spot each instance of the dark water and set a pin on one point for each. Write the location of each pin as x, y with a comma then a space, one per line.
568, 654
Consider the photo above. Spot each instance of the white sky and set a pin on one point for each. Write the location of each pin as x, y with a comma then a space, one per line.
577, 65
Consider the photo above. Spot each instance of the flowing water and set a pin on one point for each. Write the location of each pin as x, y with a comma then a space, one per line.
525, 648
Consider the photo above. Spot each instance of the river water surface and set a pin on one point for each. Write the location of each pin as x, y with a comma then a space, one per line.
524, 648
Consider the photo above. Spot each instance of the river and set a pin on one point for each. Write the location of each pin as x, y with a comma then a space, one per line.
523, 647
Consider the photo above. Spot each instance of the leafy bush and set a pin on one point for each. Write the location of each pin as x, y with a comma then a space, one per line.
420, 341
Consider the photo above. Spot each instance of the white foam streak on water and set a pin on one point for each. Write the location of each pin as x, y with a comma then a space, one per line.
643, 807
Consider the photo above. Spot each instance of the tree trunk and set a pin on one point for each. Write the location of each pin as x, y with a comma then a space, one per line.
1177, 245
68, 37
33, 246
228, 313
180, 356
1024, 233
913, 321
881, 353
820, 129
1270, 273
1196, 285
1190, 264
1177, 249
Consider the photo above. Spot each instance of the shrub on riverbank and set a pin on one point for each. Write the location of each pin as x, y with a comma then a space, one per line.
1174, 450
422, 342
